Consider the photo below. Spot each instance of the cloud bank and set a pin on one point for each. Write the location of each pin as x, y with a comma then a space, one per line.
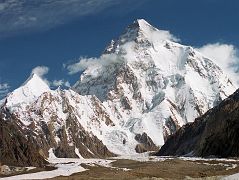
84, 63
225, 56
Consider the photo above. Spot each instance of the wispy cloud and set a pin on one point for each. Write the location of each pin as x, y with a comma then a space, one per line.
61, 82
225, 56
24, 15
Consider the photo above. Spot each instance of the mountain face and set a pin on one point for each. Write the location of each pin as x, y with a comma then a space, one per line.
143, 88
152, 85
215, 133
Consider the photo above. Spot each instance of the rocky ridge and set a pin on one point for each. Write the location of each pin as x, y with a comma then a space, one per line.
215, 133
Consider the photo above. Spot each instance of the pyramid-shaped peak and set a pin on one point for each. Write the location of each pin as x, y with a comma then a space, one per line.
36, 81
140, 32
33, 77
140, 28
31, 89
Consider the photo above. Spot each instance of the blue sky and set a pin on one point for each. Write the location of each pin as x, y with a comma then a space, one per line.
51, 33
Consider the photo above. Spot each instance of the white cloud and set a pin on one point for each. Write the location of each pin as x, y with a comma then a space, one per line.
163, 35
4, 89
225, 56
166, 35
4, 86
61, 82
84, 63
81, 65
40, 70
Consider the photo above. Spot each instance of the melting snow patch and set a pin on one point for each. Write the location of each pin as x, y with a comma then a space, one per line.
143, 157
233, 166
30, 168
78, 153
62, 170
231, 177
51, 154
65, 167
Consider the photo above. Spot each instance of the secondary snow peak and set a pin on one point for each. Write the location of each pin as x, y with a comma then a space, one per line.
30, 90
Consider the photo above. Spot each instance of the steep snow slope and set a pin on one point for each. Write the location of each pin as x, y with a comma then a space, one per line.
152, 85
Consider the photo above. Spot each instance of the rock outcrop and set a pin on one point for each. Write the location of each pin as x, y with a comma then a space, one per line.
145, 143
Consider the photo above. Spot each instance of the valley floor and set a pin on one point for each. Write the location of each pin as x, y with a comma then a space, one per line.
137, 167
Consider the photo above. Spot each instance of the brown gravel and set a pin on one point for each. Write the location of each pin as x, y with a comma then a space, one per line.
168, 169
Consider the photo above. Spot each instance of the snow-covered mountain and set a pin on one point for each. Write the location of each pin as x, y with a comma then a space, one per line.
58, 119
153, 85
143, 88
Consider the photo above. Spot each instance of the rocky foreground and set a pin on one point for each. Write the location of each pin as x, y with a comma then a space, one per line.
168, 169
134, 168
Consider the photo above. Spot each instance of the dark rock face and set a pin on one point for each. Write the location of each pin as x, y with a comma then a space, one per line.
216, 133
18, 148
89, 145
145, 143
